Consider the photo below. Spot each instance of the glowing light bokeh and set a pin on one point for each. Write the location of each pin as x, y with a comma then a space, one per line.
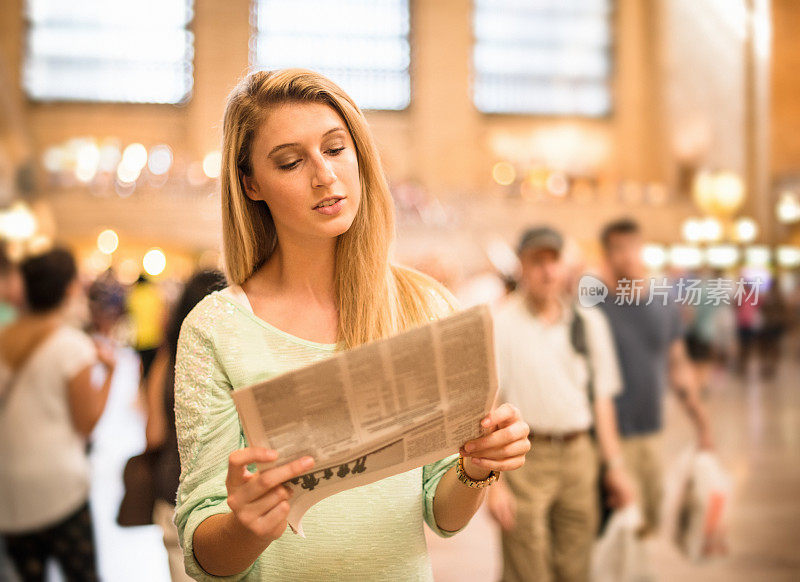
154, 262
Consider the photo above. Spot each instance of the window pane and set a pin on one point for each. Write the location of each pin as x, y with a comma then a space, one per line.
109, 50
362, 45
549, 57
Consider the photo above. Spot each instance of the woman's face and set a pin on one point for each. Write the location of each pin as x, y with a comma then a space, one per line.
305, 168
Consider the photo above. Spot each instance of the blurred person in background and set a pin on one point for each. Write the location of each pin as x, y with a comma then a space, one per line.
307, 228
160, 430
107, 306
651, 349
147, 311
11, 301
702, 328
48, 408
548, 509
11, 295
748, 325
775, 321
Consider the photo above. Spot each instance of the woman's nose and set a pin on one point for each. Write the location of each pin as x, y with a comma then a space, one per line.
323, 173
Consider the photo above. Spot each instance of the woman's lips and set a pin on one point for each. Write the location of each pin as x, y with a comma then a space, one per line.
333, 209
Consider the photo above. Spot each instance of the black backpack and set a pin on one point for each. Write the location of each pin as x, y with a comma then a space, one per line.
580, 343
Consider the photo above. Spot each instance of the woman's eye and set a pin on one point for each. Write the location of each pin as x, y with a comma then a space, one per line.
290, 165
336, 151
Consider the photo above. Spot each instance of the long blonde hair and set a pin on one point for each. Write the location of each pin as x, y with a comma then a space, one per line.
375, 298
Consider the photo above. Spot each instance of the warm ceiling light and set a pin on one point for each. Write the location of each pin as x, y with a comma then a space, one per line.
745, 229
154, 262
107, 241
135, 156
654, 256
212, 164
504, 173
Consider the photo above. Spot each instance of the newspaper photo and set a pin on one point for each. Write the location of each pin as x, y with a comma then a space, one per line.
377, 410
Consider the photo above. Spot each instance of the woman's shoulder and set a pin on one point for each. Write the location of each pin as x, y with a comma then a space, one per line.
70, 334
208, 312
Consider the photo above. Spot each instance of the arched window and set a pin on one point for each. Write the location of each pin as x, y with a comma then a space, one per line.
362, 45
543, 57
129, 51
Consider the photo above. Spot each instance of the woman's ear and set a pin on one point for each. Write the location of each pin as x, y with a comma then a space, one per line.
249, 186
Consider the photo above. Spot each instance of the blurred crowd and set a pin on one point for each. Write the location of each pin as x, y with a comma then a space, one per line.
57, 333
586, 359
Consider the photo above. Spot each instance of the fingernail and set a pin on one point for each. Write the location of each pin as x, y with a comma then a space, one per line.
307, 462
469, 447
477, 460
485, 422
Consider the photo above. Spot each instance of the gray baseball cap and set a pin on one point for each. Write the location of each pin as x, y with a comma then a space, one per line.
540, 237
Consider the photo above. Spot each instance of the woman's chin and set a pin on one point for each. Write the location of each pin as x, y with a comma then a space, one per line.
336, 227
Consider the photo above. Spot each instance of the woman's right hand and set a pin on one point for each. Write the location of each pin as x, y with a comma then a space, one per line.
259, 501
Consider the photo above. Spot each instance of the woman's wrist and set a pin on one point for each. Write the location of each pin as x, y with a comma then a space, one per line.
474, 471
224, 530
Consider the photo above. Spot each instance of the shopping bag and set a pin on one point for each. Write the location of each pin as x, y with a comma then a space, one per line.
700, 530
138, 478
617, 553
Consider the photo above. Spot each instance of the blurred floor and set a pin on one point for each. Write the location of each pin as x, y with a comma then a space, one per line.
758, 437
129, 554
757, 428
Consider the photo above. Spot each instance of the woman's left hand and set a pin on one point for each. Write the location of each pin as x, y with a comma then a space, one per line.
501, 448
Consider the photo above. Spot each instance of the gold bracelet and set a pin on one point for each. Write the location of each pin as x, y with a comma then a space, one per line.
469, 481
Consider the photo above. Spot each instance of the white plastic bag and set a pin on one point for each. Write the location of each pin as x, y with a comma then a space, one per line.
617, 554
703, 508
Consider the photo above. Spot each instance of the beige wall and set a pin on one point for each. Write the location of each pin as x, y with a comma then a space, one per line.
703, 63
678, 80
785, 101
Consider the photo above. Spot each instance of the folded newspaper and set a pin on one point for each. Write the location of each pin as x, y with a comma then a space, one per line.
376, 410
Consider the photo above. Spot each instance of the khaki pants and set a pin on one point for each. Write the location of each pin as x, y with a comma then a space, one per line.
557, 513
162, 516
643, 462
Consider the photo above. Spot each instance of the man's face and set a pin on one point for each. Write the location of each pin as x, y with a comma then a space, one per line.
624, 255
543, 273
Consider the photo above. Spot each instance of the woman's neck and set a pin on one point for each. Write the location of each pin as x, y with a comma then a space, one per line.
304, 270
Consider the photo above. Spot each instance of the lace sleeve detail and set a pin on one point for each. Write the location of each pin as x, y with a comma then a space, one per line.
194, 370
206, 423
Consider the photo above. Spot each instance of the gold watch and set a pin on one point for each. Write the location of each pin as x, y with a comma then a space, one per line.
469, 481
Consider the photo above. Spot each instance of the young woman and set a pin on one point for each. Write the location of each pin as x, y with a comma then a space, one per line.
48, 408
307, 225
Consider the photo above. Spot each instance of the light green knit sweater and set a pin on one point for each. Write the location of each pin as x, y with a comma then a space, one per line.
372, 532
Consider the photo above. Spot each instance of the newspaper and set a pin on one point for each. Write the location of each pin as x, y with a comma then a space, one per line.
376, 410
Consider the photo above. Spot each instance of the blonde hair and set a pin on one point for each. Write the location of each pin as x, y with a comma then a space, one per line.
375, 298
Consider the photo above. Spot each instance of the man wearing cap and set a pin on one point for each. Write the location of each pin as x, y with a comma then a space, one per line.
548, 509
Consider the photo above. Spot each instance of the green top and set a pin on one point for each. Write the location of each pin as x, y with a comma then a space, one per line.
7, 313
373, 532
